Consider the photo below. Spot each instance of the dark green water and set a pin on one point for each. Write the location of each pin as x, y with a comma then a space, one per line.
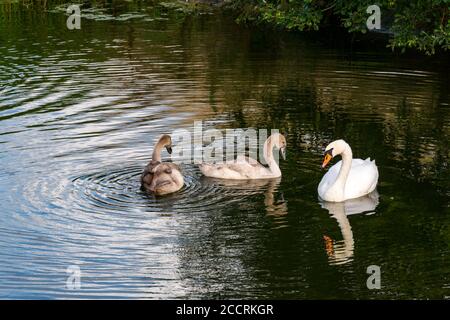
80, 111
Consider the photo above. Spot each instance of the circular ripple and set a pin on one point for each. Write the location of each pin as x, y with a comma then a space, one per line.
119, 191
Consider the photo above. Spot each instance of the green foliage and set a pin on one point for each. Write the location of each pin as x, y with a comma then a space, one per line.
419, 24
423, 25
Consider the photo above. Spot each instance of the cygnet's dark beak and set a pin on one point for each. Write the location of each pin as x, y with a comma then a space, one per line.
283, 153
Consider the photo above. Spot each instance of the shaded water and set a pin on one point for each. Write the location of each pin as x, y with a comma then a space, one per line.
80, 112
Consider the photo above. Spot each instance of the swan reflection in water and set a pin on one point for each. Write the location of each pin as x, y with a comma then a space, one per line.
341, 251
275, 206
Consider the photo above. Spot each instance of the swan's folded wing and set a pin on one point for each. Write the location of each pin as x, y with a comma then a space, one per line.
362, 179
173, 166
230, 170
147, 174
245, 159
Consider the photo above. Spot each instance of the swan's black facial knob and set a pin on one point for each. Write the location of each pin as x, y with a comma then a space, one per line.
169, 149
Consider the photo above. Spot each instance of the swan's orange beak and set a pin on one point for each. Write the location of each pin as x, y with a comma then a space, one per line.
327, 159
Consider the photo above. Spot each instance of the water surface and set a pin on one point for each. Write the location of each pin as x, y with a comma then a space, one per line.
79, 114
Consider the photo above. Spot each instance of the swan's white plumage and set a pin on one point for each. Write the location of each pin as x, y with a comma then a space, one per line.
362, 179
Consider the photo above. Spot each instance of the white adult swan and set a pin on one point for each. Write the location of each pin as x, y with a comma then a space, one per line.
244, 168
349, 178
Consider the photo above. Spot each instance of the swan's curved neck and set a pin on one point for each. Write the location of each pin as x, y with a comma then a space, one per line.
346, 230
347, 157
156, 156
268, 156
